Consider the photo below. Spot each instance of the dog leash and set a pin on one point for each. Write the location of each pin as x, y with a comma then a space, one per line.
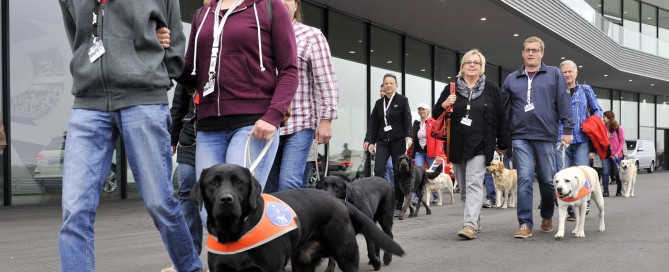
247, 154
562, 147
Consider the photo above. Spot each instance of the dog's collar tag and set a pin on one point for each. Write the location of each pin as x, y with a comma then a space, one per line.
278, 218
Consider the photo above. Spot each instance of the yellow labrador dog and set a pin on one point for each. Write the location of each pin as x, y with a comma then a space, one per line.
506, 181
574, 186
437, 181
628, 172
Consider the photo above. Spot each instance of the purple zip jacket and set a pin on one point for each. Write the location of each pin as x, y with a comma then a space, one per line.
256, 71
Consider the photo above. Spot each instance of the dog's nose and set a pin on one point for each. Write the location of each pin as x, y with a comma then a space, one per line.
559, 189
226, 199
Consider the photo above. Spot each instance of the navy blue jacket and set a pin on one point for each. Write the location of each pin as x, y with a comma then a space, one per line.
551, 102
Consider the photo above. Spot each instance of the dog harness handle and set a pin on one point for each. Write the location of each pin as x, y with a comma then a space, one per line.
247, 154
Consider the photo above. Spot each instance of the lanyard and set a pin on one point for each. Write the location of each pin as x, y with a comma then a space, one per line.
218, 31
529, 86
469, 103
95, 18
385, 108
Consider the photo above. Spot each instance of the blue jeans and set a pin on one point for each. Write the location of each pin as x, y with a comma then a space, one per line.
421, 158
525, 154
610, 168
390, 173
575, 155
90, 142
214, 147
291, 158
188, 206
489, 187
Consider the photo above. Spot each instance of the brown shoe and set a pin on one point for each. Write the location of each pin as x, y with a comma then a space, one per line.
467, 232
523, 232
547, 225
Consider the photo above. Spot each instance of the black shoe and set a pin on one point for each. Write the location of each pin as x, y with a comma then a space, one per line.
571, 217
605, 194
619, 193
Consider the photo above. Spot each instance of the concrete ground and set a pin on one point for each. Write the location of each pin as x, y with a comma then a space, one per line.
636, 238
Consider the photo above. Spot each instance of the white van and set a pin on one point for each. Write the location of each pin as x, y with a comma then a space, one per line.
642, 152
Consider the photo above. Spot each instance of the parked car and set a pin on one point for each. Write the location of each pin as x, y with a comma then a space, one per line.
642, 152
49, 168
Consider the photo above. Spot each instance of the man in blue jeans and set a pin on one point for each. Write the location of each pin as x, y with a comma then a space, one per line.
536, 98
313, 108
116, 94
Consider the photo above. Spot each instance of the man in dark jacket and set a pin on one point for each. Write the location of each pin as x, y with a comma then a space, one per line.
536, 99
121, 74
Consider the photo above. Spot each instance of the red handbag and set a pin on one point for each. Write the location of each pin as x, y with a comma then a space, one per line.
439, 130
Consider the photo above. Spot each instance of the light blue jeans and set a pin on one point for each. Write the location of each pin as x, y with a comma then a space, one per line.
421, 158
528, 154
188, 206
214, 147
90, 142
291, 158
575, 154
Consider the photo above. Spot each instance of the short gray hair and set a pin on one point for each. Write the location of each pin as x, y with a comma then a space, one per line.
566, 62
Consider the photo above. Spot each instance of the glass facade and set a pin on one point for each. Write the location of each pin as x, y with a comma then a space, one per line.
39, 98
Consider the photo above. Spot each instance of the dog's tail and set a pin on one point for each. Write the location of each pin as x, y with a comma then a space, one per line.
434, 174
369, 229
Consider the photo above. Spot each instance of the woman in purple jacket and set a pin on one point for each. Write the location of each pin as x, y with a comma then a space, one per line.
242, 60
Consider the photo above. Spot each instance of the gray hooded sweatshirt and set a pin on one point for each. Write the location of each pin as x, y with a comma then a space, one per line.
135, 69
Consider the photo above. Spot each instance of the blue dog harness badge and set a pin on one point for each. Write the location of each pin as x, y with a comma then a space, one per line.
587, 183
279, 214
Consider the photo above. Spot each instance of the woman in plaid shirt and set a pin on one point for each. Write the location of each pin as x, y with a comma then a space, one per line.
313, 108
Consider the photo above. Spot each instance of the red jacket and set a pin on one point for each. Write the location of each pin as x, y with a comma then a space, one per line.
434, 147
595, 128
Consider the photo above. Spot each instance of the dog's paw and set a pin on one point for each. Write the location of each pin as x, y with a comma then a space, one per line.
387, 258
627, 196
580, 234
428, 212
504, 207
376, 264
559, 235
400, 217
439, 204
574, 231
412, 215
602, 227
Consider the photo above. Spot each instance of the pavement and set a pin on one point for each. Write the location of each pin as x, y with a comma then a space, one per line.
636, 238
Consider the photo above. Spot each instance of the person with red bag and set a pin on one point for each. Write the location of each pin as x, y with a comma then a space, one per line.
479, 128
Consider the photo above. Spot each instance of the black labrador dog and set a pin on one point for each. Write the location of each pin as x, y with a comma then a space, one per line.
374, 197
233, 201
411, 179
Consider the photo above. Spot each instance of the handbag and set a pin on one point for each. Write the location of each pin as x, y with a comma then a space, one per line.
439, 130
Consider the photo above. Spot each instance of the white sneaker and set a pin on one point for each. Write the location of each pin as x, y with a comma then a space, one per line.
169, 269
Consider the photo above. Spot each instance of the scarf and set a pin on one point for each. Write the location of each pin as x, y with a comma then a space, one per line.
476, 91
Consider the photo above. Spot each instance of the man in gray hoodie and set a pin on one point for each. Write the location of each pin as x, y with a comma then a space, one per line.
121, 75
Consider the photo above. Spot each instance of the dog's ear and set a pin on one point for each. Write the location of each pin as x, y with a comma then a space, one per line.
196, 192
500, 166
255, 189
349, 191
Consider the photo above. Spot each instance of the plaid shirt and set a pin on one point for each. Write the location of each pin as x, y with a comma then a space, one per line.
317, 94
584, 103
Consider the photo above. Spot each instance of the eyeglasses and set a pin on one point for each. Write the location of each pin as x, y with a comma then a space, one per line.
475, 63
532, 50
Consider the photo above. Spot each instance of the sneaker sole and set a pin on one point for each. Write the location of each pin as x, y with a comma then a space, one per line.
522, 236
550, 230
462, 235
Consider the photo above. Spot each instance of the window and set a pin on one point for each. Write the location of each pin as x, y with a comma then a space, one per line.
348, 43
418, 59
445, 69
313, 15
648, 28
631, 25
628, 116
613, 11
492, 73
603, 98
386, 57
595, 4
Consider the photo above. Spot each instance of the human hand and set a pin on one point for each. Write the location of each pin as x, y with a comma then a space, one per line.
2, 146
450, 100
370, 148
567, 139
263, 130
324, 131
365, 145
163, 35
408, 142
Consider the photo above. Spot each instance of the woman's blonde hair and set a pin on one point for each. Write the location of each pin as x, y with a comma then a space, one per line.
469, 54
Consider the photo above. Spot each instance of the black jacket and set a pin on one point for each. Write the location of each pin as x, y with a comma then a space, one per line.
496, 127
182, 130
399, 118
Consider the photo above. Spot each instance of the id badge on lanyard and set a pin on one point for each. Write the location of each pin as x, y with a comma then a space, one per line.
218, 32
530, 105
97, 49
385, 110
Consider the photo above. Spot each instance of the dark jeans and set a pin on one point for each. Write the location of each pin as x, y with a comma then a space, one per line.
384, 150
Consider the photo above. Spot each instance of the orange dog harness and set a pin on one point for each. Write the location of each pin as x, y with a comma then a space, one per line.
585, 190
277, 219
